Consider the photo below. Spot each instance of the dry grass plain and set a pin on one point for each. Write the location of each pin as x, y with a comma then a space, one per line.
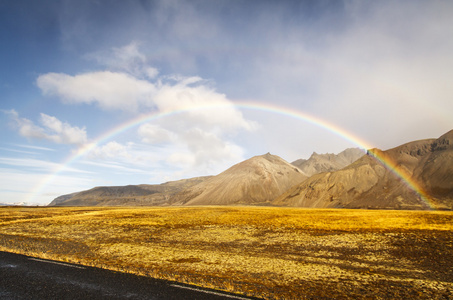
273, 253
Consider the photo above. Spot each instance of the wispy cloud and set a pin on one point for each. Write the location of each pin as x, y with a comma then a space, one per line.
116, 166
155, 134
127, 59
34, 147
36, 165
18, 151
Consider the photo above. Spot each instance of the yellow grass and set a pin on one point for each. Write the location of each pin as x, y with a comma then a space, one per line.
275, 253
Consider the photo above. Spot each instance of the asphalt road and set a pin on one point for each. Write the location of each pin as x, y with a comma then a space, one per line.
23, 277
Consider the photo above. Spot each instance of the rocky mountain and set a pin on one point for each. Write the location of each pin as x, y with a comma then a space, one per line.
133, 195
366, 183
256, 181
318, 163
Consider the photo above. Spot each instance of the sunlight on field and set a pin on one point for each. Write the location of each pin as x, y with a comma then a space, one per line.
266, 252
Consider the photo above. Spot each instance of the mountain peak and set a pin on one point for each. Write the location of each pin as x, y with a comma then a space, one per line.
314, 154
318, 163
256, 180
269, 157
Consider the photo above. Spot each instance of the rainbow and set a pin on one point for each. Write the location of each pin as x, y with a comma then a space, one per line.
247, 105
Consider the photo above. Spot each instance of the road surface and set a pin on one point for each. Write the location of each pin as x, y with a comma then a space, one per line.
23, 277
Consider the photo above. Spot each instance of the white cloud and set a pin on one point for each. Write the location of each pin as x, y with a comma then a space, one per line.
34, 147
140, 156
127, 89
182, 159
206, 152
203, 126
17, 151
129, 55
65, 133
34, 165
110, 90
54, 130
151, 72
193, 152
110, 150
26, 127
155, 134
205, 107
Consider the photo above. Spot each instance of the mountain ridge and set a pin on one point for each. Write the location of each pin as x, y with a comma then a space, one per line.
335, 183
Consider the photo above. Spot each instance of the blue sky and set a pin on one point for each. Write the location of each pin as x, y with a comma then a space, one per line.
71, 71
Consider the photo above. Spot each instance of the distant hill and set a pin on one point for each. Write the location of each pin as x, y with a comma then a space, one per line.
366, 183
319, 163
257, 180
133, 195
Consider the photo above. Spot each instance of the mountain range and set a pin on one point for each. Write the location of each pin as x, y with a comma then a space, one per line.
350, 179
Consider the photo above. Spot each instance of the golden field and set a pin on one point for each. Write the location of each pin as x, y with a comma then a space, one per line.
272, 253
